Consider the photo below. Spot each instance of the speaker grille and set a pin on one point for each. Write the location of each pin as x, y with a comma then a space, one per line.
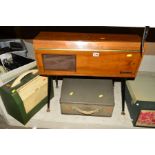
59, 62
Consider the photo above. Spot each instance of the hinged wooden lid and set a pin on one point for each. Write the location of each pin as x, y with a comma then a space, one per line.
86, 41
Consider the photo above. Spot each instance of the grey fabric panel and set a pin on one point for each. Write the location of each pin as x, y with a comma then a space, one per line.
87, 91
59, 62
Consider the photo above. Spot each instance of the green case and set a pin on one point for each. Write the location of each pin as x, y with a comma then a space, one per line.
140, 99
19, 99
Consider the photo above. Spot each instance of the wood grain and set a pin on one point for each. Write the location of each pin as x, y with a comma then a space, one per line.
60, 40
118, 55
108, 64
70, 36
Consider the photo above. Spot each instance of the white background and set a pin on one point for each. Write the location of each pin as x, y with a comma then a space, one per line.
128, 13
78, 12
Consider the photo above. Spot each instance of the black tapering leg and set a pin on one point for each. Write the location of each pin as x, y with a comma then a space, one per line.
123, 95
113, 82
56, 81
49, 93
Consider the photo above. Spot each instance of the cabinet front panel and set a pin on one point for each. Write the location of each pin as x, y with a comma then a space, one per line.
112, 64
88, 63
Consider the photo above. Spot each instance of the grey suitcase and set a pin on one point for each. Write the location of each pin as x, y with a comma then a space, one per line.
87, 97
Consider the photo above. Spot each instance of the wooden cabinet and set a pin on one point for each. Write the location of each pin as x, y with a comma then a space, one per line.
83, 54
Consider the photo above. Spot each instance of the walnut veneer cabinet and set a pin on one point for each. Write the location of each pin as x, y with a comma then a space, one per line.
88, 54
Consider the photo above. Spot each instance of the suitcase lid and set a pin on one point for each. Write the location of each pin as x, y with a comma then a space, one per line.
143, 87
16, 83
87, 91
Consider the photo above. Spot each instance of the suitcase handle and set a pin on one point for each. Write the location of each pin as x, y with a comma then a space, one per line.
18, 80
86, 112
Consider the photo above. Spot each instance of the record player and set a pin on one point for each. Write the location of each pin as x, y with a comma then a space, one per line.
25, 95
